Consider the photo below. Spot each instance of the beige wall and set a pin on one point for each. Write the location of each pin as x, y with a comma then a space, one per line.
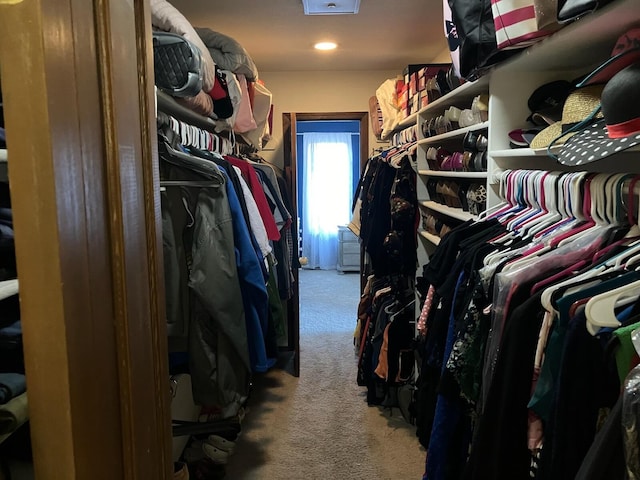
313, 92
444, 57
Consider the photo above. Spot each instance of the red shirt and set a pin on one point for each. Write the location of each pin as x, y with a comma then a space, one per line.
251, 177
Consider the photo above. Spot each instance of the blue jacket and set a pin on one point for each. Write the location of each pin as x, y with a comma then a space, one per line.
252, 284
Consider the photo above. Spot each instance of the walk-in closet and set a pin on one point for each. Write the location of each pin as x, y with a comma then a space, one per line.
327, 240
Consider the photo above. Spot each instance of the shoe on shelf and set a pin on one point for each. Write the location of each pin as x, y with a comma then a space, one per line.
215, 454
221, 443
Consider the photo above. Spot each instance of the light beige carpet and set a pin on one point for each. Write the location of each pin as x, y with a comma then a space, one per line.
319, 426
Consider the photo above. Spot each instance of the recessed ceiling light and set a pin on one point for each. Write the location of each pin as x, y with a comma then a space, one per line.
325, 46
327, 7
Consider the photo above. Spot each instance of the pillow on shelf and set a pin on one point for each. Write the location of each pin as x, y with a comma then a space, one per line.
228, 53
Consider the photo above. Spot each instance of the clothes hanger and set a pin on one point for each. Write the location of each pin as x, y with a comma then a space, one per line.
635, 340
506, 187
516, 198
600, 309
566, 193
539, 249
569, 271
583, 214
570, 285
510, 186
622, 259
200, 165
527, 198
548, 189
599, 269
537, 197
394, 314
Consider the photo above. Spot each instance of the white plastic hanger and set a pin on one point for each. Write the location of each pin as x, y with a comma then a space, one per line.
554, 213
505, 192
548, 292
600, 309
635, 339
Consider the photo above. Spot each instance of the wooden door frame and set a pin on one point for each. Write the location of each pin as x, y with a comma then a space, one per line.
77, 79
362, 117
291, 174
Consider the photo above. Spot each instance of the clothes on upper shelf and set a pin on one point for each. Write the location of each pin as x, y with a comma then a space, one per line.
223, 219
228, 93
518, 374
13, 414
11, 385
13, 398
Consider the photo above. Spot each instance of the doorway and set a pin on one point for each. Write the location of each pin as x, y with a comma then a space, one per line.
327, 171
290, 147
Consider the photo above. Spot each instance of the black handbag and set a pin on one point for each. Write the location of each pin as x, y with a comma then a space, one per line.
569, 10
477, 35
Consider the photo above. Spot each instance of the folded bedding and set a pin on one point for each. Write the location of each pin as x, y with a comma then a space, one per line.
11, 385
13, 414
228, 54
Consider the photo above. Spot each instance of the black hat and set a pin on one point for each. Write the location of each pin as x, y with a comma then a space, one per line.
547, 100
620, 127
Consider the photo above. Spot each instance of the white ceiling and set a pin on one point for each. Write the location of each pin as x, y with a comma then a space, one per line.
384, 35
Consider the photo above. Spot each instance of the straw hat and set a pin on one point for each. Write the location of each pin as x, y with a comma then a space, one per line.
619, 129
580, 104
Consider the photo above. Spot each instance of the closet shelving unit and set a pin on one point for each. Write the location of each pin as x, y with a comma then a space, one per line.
455, 213
453, 134
568, 54
571, 52
430, 237
461, 97
409, 121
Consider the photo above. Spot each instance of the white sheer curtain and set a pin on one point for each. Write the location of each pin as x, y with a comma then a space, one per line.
327, 195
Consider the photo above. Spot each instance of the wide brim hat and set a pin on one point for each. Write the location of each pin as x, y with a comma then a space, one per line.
580, 104
619, 130
625, 52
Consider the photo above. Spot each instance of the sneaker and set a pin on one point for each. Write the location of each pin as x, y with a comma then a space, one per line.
215, 454
221, 443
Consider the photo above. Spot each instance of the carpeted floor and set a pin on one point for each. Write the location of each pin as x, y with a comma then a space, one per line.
319, 426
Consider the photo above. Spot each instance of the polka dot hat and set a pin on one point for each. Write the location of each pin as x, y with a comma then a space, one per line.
619, 129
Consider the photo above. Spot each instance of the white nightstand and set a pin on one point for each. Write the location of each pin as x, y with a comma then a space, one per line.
348, 250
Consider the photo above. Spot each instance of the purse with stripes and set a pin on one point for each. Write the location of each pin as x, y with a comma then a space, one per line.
520, 23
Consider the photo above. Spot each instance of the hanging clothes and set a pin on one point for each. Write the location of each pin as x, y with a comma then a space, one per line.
388, 213
516, 372
217, 272
204, 300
